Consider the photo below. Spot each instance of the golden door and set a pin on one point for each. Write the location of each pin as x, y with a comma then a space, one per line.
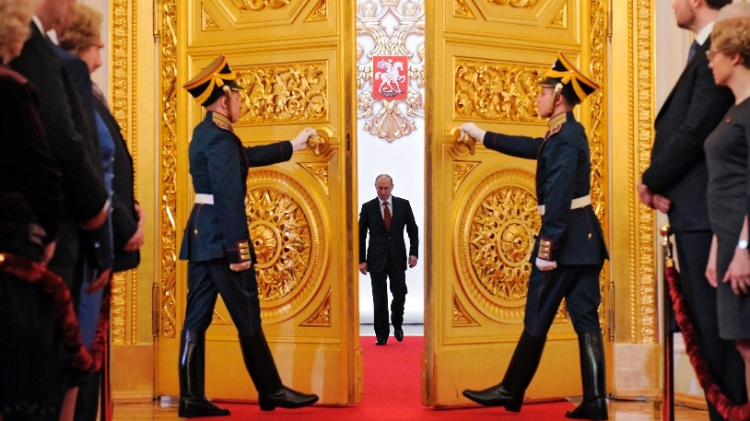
289, 57
485, 58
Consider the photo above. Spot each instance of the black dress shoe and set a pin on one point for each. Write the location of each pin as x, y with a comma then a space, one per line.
496, 396
199, 407
398, 333
285, 397
381, 341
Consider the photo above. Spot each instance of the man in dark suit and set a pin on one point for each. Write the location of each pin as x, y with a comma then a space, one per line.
385, 218
86, 199
675, 184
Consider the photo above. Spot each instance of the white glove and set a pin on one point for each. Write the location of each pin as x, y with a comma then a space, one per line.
473, 130
545, 265
300, 142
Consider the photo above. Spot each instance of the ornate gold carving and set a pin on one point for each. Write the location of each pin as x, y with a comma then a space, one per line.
598, 129
390, 124
118, 309
492, 90
460, 317
284, 93
319, 12
497, 227
208, 22
461, 170
219, 319
290, 243
461, 9
394, 119
644, 317
319, 171
321, 317
528, 4
319, 143
123, 101
168, 245
258, 5
560, 20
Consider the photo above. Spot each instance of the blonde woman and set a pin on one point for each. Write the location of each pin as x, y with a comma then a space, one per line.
727, 154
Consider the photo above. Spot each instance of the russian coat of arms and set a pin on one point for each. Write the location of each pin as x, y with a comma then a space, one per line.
390, 76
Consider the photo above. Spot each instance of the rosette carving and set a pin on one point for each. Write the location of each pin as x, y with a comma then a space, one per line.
497, 230
289, 240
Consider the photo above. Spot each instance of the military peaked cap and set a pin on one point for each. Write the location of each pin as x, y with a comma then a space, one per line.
575, 86
212, 82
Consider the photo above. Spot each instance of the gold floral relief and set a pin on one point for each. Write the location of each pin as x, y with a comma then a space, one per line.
560, 20
286, 230
498, 91
208, 22
320, 171
497, 229
320, 12
461, 169
258, 5
460, 317
461, 9
516, 3
284, 93
322, 315
168, 245
122, 105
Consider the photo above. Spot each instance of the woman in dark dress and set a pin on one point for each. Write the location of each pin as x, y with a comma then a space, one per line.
728, 189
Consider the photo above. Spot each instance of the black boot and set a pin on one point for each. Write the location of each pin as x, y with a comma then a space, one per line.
262, 369
594, 404
523, 365
193, 402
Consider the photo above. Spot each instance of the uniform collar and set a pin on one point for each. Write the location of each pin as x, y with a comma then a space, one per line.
557, 121
221, 121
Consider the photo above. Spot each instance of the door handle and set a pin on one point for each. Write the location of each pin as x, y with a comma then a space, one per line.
319, 143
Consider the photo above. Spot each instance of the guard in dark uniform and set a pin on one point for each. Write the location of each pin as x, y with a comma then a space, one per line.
218, 247
569, 251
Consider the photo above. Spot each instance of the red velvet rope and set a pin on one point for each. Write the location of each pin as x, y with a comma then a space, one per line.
85, 360
728, 409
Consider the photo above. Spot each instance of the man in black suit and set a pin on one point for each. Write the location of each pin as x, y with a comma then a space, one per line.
675, 184
385, 218
86, 199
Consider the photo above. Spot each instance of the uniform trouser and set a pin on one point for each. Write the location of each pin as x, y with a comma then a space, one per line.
380, 298
239, 290
722, 357
578, 284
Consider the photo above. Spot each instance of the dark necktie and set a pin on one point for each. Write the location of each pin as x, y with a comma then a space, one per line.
693, 49
387, 216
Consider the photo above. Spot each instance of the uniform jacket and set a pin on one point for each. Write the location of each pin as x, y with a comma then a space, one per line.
219, 165
563, 174
382, 242
678, 164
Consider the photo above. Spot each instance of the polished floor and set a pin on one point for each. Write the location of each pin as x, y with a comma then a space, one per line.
166, 409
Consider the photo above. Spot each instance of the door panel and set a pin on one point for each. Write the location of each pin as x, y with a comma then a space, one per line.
485, 60
295, 209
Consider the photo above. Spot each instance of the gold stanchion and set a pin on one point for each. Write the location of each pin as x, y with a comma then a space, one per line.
667, 408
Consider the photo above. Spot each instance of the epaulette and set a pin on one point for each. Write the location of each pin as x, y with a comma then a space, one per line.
222, 122
555, 123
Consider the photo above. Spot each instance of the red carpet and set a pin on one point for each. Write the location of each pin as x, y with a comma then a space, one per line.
392, 388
